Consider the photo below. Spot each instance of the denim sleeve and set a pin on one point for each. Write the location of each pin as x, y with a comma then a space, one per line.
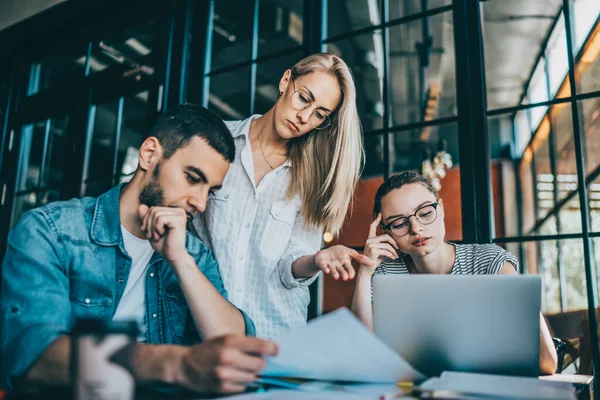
35, 295
210, 268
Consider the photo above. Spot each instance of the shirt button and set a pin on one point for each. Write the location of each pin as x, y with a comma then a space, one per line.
247, 225
121, 281
241, 256
238, 289
226, 196
151, 274
87, 301
153, 315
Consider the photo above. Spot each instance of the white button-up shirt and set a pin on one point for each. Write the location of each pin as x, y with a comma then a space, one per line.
256, 235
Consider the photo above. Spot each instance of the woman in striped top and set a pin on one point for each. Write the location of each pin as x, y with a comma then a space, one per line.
411, 215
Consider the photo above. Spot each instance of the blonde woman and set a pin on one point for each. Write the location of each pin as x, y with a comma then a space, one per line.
293, 178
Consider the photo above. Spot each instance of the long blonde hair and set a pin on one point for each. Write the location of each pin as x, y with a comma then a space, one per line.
326, 164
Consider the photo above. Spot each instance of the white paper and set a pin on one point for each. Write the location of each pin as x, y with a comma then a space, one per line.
338, 347
353, 392
294, 395
501, 386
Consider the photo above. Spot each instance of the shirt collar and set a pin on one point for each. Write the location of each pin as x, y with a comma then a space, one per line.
242, 128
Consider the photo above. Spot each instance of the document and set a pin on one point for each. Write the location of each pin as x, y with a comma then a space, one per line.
498, 386
338, 347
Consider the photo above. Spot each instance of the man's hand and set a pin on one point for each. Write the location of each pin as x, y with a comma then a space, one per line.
337, 261
165, 227
226, 364
378, 247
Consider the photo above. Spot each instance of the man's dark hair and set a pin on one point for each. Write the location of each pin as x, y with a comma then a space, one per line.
396, 182
179, 124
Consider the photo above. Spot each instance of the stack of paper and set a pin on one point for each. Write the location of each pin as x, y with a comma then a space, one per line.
338, 347
496, 386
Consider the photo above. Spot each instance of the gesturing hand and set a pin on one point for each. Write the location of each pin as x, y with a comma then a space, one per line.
337, 261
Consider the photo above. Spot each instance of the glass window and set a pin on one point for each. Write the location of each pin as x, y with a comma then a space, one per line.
268, 75
586, 13
590, 110
57, 68
57, 149
232, 33
523, 131
594, 196
280, 26
374, 156
596, 252
511, 45
543, 173
131, 49
3, 97
561, 118
403, 8
134, 131
22, 204
543, 258
350, 15
364, 56
558, 62
230, 94
31, 155
538, 92
527, 192
423, 77
572, 252
588, 68
547, 254
99, 178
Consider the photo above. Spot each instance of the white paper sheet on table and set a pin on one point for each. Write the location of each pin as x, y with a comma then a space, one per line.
355, 392
338, 347
292, 395
509, 387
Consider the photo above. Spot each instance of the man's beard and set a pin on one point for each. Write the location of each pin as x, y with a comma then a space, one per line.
153, 195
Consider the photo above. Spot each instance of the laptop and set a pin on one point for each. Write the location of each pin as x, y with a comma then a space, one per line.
466, 323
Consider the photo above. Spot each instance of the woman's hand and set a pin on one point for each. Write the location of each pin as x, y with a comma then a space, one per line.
337, 261
378, 247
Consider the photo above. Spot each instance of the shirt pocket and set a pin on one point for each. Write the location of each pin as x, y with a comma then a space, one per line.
89, 299
218, 214
177, 310
278, 229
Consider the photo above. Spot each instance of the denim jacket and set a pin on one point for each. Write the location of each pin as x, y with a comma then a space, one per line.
67, 260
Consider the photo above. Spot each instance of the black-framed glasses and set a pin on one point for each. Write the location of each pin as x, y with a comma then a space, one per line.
401, 226
301, 101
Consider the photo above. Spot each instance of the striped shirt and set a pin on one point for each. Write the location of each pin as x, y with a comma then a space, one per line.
471, 259
256, 235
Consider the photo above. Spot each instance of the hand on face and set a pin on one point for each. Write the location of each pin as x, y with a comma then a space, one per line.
226, 364
165, 227
337, 261
380, 246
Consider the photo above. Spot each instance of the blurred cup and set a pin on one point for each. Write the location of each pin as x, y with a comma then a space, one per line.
95, 344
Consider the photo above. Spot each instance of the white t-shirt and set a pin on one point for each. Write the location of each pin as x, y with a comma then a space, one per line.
132, 304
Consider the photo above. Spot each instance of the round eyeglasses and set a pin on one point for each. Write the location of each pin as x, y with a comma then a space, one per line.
301, 101
401, 226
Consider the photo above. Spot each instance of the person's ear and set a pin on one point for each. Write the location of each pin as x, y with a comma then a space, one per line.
150, 154
285, 81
